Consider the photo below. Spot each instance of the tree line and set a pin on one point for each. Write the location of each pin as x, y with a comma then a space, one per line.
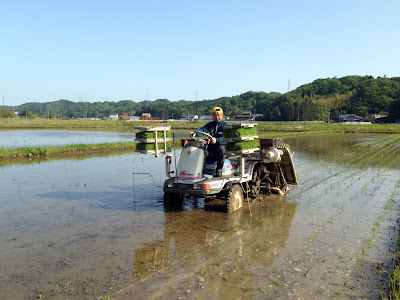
319, 100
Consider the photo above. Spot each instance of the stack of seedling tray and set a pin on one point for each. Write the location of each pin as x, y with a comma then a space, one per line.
241, 139
153, 139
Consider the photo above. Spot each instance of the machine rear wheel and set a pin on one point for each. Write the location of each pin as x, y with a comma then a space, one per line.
234, 199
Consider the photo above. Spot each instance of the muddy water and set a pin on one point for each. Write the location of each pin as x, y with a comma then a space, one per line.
82, 229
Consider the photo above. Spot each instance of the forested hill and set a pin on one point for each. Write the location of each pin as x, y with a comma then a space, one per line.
362, 95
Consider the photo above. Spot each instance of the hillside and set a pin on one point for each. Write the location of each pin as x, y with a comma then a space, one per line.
323, 98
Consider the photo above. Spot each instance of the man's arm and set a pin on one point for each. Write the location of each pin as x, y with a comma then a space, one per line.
205, 128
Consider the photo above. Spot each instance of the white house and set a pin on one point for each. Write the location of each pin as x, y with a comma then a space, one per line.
113, 116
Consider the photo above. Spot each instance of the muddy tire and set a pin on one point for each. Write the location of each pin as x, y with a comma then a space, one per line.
173, 200
234, 198
256, 183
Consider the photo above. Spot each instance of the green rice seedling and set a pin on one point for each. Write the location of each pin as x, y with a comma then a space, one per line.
152, 146
241, 146
240, 132
201, 270
152, 134
264, 291
277, 282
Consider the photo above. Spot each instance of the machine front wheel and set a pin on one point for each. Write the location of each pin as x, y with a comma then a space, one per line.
173, 199
234, 199
256, 183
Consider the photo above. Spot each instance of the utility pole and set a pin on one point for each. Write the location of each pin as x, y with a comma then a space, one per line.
288, 87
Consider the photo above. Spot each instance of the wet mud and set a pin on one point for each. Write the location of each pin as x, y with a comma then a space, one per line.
88, 229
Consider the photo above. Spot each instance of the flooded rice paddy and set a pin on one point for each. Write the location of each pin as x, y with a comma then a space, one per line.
39, 138
87, 229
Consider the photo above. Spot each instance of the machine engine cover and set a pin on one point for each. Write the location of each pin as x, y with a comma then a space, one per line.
190, 166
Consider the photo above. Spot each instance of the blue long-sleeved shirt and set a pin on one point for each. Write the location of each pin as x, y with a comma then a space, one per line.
215, 129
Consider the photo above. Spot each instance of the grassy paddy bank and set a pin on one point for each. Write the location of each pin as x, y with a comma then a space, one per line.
62, 151
262, 126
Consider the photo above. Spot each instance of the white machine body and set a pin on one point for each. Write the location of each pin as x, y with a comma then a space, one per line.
190, 166
272, 154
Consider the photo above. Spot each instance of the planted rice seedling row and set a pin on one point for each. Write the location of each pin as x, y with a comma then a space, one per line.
388, 206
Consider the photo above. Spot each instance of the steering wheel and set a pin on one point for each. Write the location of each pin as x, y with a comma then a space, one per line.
197, 137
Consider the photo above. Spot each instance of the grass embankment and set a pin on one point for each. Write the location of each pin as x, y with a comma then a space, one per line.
264, 129
59, 123
75, 149
284, 127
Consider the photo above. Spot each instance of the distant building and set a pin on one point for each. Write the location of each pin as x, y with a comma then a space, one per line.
190, 118
113, 116
146, 115
246, 115
129, 118
206, 118
349, 118
378, 116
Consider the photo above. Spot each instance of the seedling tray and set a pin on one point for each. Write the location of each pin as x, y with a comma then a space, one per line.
154, 128
151, 151
148, 141
240, 139
243, 152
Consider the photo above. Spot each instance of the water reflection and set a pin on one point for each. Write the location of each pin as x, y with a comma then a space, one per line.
77, 229
61, 137
218, 243
325, 142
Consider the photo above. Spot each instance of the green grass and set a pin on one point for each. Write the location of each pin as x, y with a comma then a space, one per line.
30, 152
264, 128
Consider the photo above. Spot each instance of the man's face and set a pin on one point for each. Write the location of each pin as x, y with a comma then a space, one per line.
217, 116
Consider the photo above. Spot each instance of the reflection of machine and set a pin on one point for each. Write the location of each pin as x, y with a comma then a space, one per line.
190, 235
268, 169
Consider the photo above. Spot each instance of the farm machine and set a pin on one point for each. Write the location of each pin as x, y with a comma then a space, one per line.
265, 169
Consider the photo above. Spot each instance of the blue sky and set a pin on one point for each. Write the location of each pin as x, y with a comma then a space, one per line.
117, 50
